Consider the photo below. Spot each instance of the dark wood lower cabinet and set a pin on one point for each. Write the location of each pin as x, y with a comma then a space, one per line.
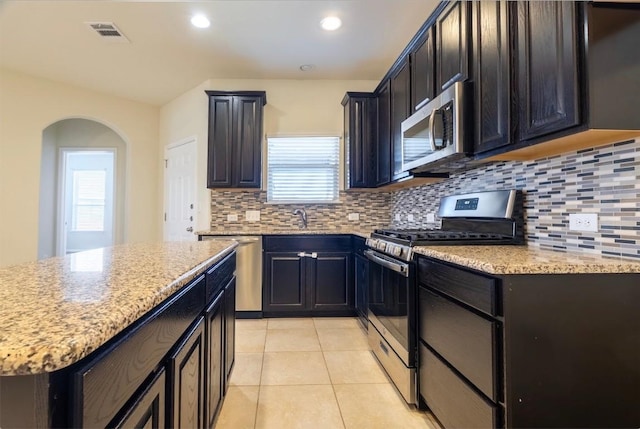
308, 275
215, 318
230, 330
148, 410
186, 380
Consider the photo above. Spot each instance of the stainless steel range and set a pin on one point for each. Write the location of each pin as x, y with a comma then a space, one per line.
482, 218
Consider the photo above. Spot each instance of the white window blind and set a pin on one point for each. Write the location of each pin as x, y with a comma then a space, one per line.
303, 169
89, 189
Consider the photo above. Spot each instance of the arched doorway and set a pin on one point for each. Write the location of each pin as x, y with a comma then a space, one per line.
82, 187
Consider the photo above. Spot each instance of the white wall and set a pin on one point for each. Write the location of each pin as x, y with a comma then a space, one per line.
28, 105
293, 107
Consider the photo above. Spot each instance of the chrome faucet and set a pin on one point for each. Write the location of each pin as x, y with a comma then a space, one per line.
303, 216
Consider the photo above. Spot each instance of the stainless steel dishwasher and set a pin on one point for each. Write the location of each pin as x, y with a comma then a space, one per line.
248, 273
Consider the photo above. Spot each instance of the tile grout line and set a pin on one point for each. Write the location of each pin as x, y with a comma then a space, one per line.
255, 418
333, 389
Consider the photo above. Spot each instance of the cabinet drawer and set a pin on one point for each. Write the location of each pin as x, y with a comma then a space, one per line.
452, 401
219, 275
310, 243
478, 291
467, 341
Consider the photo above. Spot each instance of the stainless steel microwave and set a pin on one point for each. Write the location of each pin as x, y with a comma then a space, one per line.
435, 134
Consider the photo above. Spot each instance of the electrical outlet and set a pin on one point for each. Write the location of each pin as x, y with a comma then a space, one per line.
397, 216
431, 217
252, 215
232, 217
410, 217
354, 216
583, 222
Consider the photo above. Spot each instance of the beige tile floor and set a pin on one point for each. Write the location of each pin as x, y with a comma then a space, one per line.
315, 373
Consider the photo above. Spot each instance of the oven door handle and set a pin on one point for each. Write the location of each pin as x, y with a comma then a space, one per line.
398, 267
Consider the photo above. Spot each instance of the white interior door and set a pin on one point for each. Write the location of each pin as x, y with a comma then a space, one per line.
180, 191
87, 200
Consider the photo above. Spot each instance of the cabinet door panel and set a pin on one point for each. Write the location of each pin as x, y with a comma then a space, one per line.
360, 137
331, 285
284, 282
229, 330
400, 99
491, 74
148, 411
186, 377
362, 286
452, 51
383, 152
220, 141
247, 141
214, 359
423, 71
547, 67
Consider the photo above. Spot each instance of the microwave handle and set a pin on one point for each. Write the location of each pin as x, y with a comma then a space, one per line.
432, 123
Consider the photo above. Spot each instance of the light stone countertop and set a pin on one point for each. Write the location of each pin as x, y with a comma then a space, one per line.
290, 231
527, 260
56, 311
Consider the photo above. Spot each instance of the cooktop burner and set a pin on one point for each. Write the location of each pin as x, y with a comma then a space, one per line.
414, 237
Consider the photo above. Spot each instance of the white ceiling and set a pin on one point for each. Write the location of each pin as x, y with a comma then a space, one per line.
248, 39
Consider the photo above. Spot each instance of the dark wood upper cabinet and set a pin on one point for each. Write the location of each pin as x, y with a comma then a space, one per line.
423, 71
360, 133
492, 74
547, 67
400, 110
383, 142
452, 46
235, 139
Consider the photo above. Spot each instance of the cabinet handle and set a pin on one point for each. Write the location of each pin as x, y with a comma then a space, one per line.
313, 255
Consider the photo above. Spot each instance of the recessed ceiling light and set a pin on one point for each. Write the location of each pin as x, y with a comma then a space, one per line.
200, 21
306, 67
331, 23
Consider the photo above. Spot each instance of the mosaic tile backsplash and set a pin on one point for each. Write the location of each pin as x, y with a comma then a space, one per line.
605, 180
372, 208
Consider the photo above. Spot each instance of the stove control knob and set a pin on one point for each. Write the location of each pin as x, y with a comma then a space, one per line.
397, 251
382, 246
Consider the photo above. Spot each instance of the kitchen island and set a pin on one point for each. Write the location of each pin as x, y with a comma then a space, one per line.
110, 319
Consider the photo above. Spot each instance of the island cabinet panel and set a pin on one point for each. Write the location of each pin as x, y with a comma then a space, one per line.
147, 410
214, 385
229, 330
492, 74
186, 369
547, 67
105, 383
308, 275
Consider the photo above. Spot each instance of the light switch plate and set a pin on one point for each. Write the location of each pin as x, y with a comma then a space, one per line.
431, 217
397, 217
354, 216
410, 217
232, 217
252, 215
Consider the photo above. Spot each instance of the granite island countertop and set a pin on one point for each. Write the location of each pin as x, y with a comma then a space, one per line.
56, 311
527, 260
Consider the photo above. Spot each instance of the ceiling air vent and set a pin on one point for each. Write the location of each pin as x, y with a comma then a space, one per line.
108, 31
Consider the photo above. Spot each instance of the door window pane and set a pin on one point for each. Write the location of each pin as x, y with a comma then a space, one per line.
89, 191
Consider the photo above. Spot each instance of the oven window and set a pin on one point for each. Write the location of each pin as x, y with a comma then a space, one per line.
388, 292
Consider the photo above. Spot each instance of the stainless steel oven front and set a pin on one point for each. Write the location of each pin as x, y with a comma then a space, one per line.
392, 313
